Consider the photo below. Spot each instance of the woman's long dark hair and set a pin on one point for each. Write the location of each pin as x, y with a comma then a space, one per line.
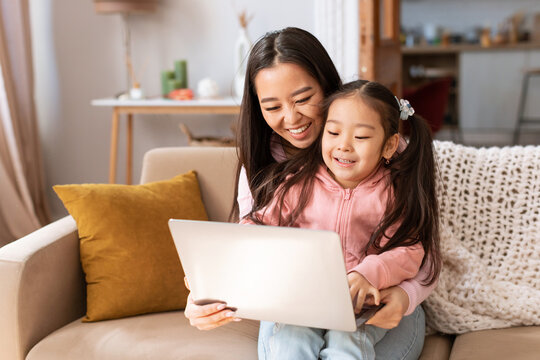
289, 45
412, 176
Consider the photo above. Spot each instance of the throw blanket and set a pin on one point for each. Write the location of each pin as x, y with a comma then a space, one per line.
490, 239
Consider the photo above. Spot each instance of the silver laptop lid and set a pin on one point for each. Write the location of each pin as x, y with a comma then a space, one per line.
286, 275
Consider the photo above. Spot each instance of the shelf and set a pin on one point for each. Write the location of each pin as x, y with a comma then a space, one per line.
457, 48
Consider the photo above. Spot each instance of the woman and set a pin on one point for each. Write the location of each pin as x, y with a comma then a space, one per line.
289, 73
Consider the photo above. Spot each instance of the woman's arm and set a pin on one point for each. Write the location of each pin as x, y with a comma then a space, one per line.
244, 199
401, 300
416, 290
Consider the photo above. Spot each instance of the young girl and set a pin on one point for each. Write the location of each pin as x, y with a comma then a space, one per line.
381, 201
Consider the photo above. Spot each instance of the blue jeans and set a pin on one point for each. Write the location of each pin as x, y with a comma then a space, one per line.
405, 342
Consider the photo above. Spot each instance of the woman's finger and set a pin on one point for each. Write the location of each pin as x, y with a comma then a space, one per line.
194, 311
214, 320
186, 283
376, 295
387, 317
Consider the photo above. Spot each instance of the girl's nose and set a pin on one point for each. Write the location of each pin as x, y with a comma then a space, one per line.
344, 145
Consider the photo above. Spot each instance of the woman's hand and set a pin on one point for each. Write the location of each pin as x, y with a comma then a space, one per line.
396, 303
359, 288
209, 316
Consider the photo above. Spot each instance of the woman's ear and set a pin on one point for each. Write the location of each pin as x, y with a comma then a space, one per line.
391, 146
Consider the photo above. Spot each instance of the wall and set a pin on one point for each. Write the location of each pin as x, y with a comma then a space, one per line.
78, 57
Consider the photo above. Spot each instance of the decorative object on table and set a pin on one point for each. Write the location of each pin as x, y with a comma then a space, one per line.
136, 93
177, 79
207, 88
241, 51
181, 94
206, 140
166, 77
485, 37
180, 72
126, 8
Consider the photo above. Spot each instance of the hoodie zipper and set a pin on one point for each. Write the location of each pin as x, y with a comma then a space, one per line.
343, 210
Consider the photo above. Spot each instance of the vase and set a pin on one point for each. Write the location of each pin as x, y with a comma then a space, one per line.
241, 52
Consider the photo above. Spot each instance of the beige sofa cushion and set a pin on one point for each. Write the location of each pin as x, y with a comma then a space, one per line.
521, 343
156, 336
437, 347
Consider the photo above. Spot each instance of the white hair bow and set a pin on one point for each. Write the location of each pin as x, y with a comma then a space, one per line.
405, 109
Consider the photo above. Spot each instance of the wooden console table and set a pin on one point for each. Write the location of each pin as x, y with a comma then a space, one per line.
227, 106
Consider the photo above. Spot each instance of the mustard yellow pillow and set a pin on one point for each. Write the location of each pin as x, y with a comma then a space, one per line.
127, 253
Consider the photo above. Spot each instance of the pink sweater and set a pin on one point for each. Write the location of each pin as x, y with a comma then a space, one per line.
413, 287
354, 214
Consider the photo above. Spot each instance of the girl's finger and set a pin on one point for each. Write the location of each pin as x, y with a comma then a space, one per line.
360, 301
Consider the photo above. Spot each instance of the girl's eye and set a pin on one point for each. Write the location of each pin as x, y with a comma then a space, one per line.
332, 133
361, 137
303, 100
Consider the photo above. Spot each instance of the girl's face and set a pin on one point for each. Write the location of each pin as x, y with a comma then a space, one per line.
290, 103
353, 141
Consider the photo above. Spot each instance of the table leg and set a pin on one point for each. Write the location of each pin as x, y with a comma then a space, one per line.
129, 149
114, 147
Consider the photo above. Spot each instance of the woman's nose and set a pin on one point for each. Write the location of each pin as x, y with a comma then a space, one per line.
292, 115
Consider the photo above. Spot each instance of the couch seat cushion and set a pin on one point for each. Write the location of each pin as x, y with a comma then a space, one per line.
437, 347
154, 336
521, 343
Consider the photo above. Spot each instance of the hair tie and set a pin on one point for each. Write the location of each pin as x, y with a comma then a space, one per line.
405, 109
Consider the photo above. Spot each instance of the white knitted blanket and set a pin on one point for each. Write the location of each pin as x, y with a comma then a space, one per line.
490, 241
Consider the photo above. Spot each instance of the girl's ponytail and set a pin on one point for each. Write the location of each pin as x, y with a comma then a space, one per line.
413, 174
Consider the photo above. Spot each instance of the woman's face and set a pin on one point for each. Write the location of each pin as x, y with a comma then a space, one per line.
290, 103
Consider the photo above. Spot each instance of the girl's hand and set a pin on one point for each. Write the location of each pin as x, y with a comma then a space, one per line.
396, 303
207, 317
359, 288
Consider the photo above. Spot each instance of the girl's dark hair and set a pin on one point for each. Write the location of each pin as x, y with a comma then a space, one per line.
289, 45
412, 175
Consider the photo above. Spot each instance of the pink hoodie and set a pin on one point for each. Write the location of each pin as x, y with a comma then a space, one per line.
354, 214
414, 288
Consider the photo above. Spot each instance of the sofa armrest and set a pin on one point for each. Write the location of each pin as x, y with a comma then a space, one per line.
41, 286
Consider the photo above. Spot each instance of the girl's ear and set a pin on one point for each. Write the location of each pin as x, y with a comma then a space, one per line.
391, 146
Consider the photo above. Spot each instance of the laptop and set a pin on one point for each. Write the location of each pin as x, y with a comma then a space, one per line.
280, 274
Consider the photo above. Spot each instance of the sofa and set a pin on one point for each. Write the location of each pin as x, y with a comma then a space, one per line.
42, 294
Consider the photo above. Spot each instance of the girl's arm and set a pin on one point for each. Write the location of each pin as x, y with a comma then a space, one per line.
391, 267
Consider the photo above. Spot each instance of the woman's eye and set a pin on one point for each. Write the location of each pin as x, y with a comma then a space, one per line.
272, 108
303, 100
